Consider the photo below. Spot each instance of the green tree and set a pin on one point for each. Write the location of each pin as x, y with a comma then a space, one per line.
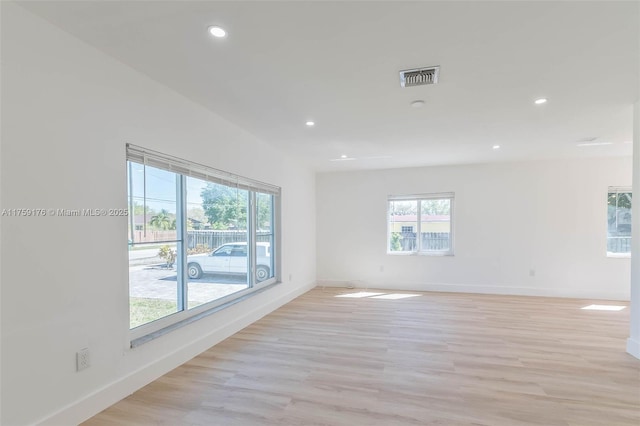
403, 208
620, 199
617, 201
196, 214
162, 220
435, 207
395, 241
225, 207
263, 211
138, 209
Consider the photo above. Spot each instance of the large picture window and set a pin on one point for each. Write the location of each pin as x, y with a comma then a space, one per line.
420, 224
198, 238
619, 221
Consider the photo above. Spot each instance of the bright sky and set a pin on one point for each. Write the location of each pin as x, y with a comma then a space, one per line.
161, 188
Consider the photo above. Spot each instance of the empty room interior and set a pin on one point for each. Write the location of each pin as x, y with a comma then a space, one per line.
320, 213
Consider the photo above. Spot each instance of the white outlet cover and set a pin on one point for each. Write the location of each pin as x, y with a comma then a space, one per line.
83, 360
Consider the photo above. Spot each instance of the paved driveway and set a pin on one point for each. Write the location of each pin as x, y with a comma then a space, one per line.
158, 282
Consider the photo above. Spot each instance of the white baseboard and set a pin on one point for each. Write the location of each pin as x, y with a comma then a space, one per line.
633, 347
481, 289
95, 402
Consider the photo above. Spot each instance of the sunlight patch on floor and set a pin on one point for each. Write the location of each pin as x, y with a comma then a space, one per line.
395, 296
603, 307
371, 295
359, 294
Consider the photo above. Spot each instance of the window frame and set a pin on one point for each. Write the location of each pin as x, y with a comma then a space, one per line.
418, 198
183, 169
618, 190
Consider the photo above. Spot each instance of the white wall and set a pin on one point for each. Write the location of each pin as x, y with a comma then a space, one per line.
67, 112
509, 218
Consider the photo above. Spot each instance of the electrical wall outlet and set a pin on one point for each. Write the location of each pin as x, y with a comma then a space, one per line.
83, 360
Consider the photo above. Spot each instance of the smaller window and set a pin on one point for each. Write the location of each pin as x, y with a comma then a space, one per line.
619, 221
420, 224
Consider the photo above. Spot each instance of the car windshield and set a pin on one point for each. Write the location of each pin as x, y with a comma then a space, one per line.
223, 251
240, 250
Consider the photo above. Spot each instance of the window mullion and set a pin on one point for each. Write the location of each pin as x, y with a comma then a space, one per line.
389, 225
617, 202
252, 238
131, 208
181, 247
419, 227
144, 198
274, 244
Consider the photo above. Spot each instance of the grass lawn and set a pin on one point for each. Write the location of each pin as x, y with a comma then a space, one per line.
143, 310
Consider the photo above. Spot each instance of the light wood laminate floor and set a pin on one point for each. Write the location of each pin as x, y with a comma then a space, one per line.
430, 359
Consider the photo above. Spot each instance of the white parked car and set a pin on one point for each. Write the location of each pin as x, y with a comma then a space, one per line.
230, 258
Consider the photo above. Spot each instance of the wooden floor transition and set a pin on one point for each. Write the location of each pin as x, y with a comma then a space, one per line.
401, 358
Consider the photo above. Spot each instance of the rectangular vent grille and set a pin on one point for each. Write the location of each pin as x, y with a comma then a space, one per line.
419, 76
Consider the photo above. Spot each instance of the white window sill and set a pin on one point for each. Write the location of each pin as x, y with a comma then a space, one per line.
619, 255
420, 253
137, 341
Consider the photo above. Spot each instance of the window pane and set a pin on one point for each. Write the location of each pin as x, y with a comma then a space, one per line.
403, 220
153, 201
619, 222
264, 237
435, 228
217, 235
153, 244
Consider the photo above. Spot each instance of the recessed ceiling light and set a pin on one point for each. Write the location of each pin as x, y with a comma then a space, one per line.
217, 32
496, 147
310, 123
417, 104
540, 101
343, 156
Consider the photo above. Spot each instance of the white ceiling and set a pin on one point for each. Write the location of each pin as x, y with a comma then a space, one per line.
337, 63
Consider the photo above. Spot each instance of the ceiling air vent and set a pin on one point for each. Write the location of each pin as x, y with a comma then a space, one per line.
419, 76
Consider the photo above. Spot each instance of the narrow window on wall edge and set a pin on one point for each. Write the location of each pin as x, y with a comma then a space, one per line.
619, 204
198, 238
420, 224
